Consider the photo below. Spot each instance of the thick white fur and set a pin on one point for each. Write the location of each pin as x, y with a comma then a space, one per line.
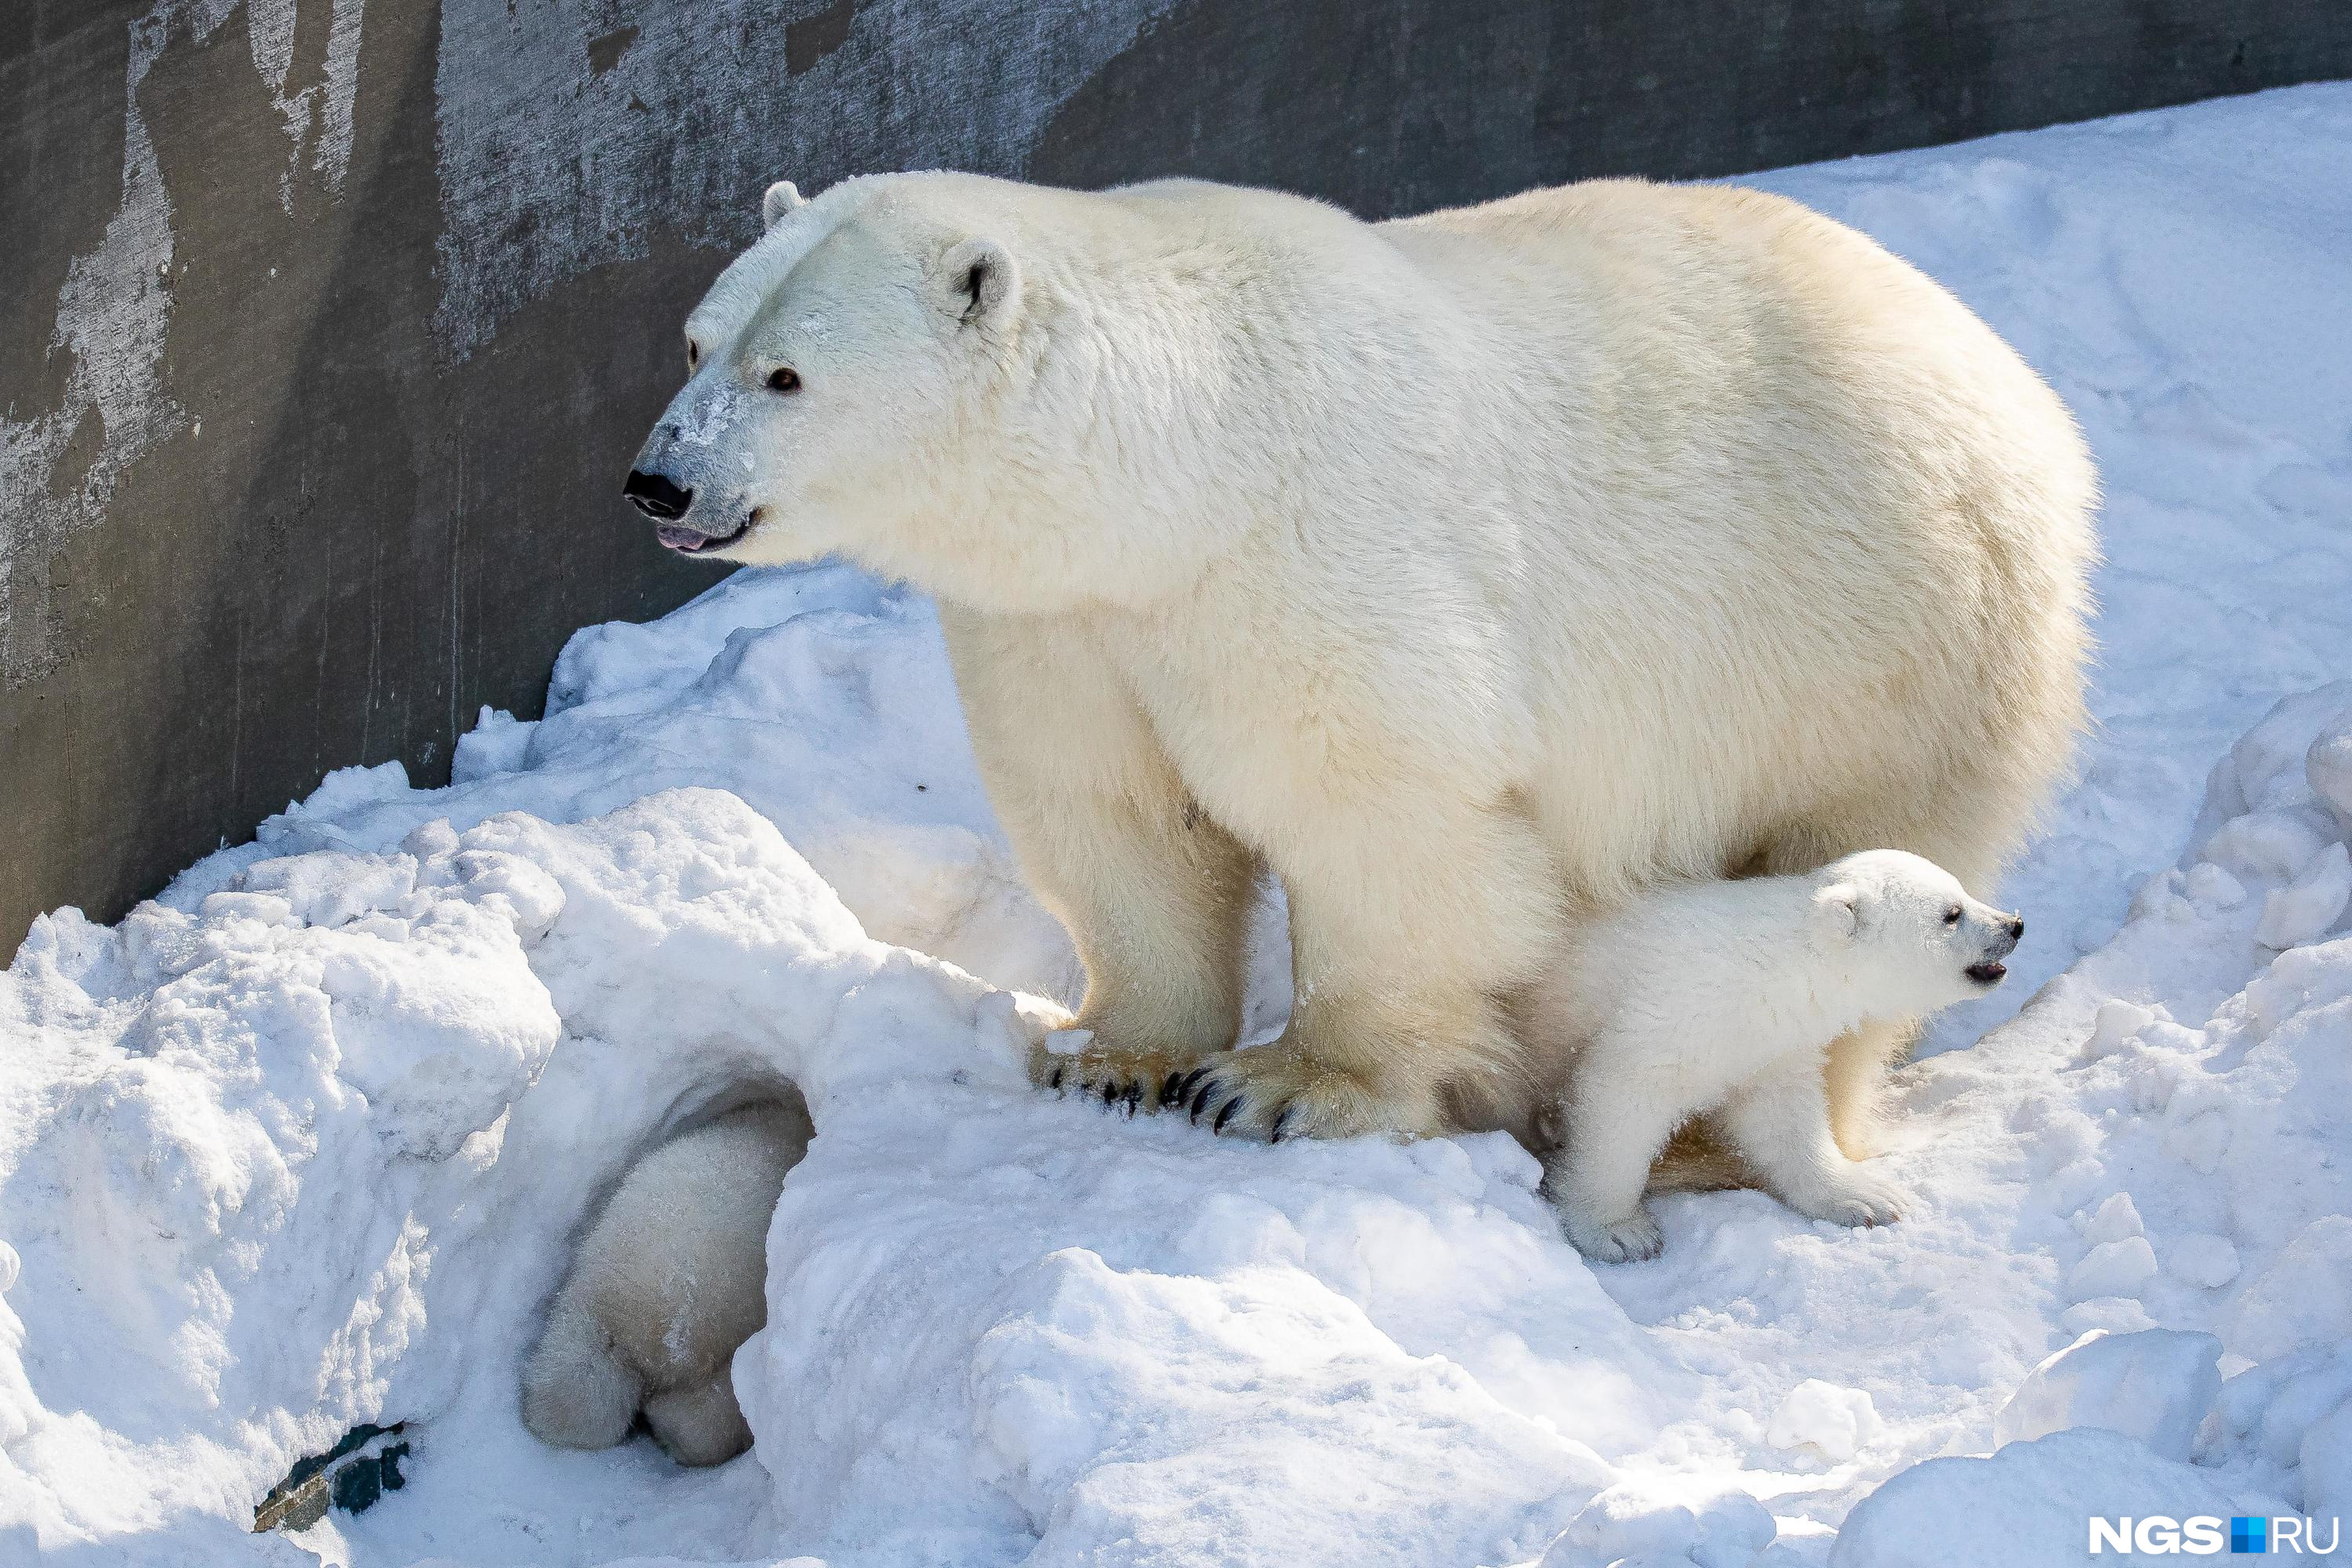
1722, 997
664, 1287
1474, 571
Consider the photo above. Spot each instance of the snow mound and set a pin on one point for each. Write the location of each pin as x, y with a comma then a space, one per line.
2156, 1386
302, 1144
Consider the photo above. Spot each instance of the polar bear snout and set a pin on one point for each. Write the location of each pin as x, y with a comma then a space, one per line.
1990, 971
657, 496
667, 503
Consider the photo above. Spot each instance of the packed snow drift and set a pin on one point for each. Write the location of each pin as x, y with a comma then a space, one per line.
304, 1142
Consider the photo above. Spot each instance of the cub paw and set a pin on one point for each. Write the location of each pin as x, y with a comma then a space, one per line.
1856, 1199
1630, 1240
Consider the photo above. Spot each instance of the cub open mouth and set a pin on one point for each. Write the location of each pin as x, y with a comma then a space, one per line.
1989, 972
694, 542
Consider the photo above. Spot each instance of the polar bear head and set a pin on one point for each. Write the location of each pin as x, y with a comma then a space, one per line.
908, 370
1912, 936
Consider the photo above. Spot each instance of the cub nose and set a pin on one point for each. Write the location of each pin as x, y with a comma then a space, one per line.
2016, 926
656, 495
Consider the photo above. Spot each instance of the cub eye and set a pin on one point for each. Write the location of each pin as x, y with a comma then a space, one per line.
693, 353
1952, 915
784, 378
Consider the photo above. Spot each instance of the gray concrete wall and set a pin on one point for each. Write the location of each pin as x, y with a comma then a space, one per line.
327, 327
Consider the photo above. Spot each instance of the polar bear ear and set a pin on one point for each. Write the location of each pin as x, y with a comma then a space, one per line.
978, 283
1837, 910
782, 197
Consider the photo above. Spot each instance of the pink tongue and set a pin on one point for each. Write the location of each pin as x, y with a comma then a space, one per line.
678, 538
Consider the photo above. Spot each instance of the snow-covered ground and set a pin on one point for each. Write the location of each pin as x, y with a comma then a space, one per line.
301, 1144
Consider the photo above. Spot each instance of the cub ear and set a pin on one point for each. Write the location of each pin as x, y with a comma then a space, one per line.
782, 197
978, 283
1837, 910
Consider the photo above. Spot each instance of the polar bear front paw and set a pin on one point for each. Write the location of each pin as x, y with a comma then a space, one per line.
1273, 1093
1129, 1079
1630, 1240
1854, 1197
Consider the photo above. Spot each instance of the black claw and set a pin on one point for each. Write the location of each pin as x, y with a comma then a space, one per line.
1133, 1098
1226, 1114
1168, 1090
1110, 1091
1055, 1081
1281, 1119
1184, 1089
1200, 1099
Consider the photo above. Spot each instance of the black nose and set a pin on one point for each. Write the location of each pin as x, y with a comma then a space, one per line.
2017, 926
656, 495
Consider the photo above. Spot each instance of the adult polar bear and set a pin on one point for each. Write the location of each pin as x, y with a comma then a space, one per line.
1470, 570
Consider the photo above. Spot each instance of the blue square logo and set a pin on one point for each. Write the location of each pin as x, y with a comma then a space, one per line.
2248, 1534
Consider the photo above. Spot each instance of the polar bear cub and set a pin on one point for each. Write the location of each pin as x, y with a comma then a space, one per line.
667, 1283
1721, 998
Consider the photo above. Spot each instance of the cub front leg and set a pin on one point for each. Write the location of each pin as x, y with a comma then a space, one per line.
1613, 1124
1155, 894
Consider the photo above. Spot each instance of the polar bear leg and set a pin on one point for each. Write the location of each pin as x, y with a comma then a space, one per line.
1779, 1122
575, 1392
1410, 918
1156, 895
1854, 1074
1614, 1121
700, 1424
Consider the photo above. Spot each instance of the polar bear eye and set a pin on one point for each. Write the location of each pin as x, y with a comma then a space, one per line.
784, 378
1952, 915
693, 353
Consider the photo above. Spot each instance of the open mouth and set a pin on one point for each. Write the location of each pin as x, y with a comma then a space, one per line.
694, 542
1989, 972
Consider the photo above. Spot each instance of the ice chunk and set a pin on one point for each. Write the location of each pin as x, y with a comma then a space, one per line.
2305, 1298
1817, 1415
2273, 846
2206, 1261
2327, 768
2117, 1220
2212, 887
2113, 1028
1666, 1520
2272, 758
2113, 1268
2326, 1456
2117, 1314
2155, 1386
2025, 1504
2306, 907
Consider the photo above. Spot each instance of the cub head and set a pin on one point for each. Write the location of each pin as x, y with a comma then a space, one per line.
1912, 932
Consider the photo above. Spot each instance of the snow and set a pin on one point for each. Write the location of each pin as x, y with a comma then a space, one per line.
2156, 1386
2031, 1502
302, 1143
